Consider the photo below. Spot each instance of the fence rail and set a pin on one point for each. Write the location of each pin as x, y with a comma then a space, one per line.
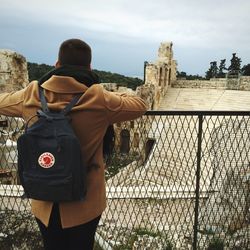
177, 180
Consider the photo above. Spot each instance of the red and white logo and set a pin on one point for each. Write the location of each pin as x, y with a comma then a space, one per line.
46, 160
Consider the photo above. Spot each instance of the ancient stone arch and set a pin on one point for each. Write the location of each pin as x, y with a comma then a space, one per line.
125, 141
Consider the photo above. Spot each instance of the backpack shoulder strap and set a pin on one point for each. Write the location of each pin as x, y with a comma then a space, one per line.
66, 110
72, 103
45, 107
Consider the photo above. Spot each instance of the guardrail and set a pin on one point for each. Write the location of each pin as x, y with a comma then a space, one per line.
177, 180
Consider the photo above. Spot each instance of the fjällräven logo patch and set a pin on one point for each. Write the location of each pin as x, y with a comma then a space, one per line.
46, 160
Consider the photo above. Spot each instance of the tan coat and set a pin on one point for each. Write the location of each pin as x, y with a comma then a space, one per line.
96, 109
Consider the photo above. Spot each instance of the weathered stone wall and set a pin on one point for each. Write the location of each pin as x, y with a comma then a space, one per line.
161, 72
13, 71
146, 92
242, 83
130, 134
152, 78
114, 87
165, 51
219, 83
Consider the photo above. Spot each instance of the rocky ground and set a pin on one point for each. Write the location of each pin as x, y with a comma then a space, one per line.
19, 231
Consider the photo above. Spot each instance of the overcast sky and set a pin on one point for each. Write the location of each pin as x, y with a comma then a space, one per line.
125, 33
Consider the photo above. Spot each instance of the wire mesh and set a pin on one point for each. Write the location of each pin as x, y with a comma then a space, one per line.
166, 189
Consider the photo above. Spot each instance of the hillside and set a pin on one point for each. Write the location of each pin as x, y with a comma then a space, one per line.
37, 70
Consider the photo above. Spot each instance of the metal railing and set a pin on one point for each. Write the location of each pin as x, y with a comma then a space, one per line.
177, 180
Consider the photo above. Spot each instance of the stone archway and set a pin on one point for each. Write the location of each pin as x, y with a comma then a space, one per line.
160, 77
148, 147
125, 141
169, 77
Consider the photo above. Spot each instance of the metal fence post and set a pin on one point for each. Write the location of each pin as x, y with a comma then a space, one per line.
197, 189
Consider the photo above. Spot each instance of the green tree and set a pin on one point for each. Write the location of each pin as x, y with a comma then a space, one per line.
194, 77
246, 70
234, 68
212, 71
121, 80
36, 71
222, 67
181, 74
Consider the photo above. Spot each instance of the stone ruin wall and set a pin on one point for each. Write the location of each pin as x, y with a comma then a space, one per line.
13, 77
241, 83
13, 71
161, 73
129, 136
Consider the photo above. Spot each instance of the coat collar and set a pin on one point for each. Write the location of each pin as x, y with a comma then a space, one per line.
64, 84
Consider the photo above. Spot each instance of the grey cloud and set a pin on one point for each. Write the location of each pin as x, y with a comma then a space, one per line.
195, 27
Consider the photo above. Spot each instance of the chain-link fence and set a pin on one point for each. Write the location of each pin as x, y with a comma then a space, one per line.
177, 180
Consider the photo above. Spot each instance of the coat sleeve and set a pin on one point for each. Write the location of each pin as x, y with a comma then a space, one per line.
11, 104
123, 107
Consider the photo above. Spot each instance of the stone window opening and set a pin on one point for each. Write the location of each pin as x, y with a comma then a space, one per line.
169, 77
124, 141
132, 124
165, 77
136, 141
148, 147
160, 77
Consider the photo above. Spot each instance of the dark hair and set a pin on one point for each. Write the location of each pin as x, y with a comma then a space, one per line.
74, 52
